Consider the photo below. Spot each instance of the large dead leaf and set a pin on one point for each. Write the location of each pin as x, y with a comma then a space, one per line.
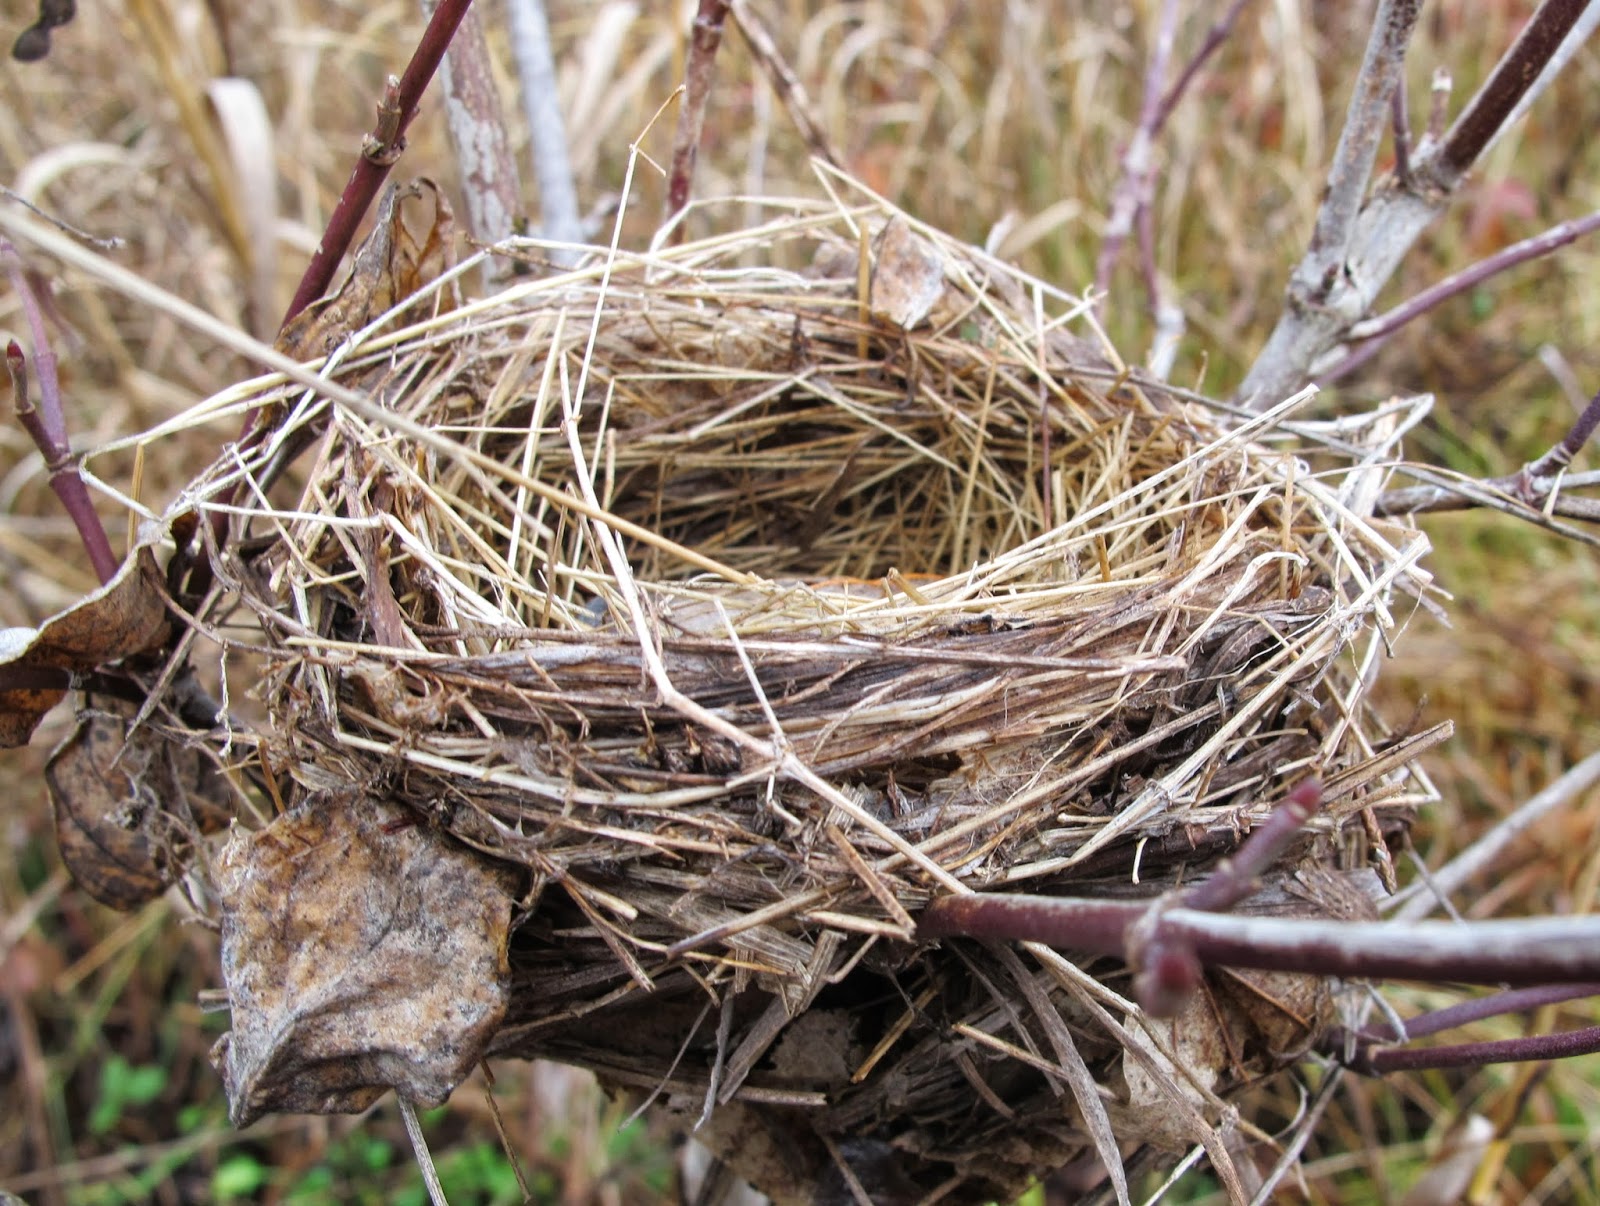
361, 952
124, 617
390, 266
127, 807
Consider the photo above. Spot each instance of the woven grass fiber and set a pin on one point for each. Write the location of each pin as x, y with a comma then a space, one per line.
737, 598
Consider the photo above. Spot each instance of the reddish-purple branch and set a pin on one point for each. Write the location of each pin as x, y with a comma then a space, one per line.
1501, 951
1486, 114
1236, 878
1493, 1005
46, 423
704, 39
379, 152
1381, 1060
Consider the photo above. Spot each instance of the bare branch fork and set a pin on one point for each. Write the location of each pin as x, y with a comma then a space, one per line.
1358, 243
1169, 940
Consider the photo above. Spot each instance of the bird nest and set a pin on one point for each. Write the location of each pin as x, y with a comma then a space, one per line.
708, 612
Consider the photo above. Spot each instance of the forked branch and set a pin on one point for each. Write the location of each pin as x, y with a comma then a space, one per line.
1360, 240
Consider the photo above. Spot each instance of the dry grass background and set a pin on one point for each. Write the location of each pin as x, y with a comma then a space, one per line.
970, 116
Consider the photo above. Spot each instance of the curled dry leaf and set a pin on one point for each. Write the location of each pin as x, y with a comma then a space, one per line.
361, 952
390, 266
124, 617
127, 805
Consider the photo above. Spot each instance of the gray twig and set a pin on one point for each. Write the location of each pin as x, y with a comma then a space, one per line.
490, 185
547, 129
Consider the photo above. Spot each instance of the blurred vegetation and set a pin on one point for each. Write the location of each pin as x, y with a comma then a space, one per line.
991, 121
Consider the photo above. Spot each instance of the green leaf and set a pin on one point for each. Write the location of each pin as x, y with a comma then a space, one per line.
238, 1176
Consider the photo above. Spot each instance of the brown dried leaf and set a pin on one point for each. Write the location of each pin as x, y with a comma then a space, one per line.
907, 277
124, 617
122, 807
361, 952
390, 266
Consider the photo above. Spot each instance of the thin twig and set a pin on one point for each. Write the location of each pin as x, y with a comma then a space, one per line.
547, 129
1235, 878
46, 422
781, 77
419, 1147
1509, 257
1539, 486
1494, 1005
1481, 855
1515, 81
704, 39
107, 243
1215, 37
1378, 1061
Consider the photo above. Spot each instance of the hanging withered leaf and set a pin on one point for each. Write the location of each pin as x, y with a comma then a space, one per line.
128, 806
390, 266
362, 952
124, 617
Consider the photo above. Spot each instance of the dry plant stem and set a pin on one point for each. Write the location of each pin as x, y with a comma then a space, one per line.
109, 243
704, 39
490, 186
419, 1147
1138, 160
541, 102
1356, 246
1421, 900
46, 423
378, 155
